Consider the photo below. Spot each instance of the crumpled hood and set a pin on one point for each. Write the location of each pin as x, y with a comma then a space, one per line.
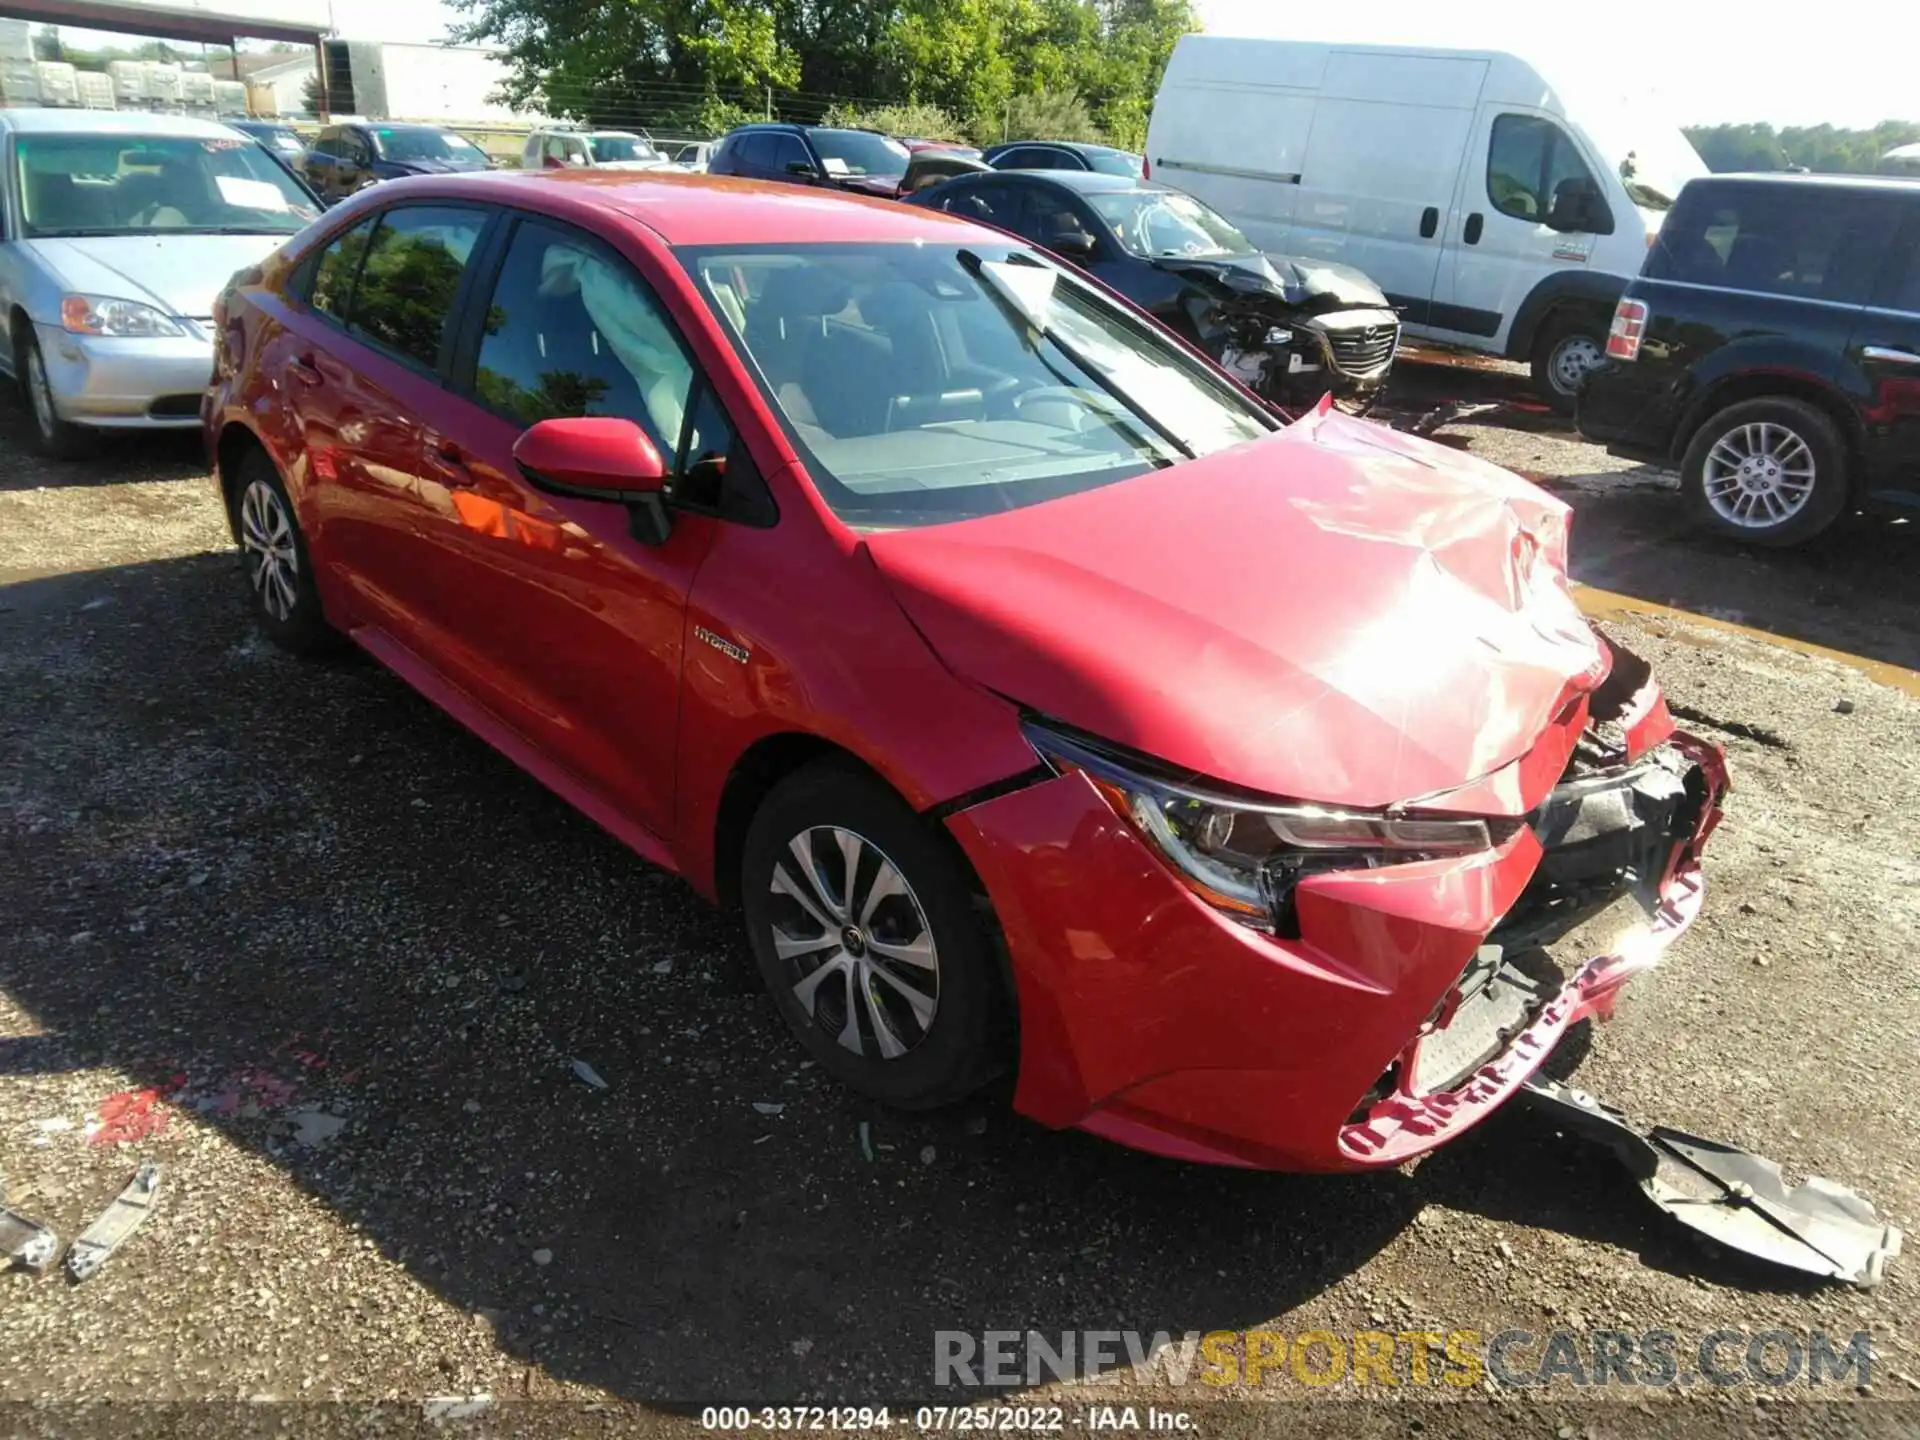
176, 274
1337, 613
1317, 283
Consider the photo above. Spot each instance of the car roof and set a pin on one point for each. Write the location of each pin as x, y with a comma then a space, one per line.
1084, 182
110, 122
1822, 182
704, 209
1079, 147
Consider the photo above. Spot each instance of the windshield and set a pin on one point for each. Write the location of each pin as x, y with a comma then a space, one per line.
140, 184
1653, 159
859, 152
1164, 222
610, 149
923, 383
398, 144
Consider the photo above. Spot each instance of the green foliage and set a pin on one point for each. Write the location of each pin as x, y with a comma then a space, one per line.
922, 122
709, 115
1077, 68
1822, 149
1048, 115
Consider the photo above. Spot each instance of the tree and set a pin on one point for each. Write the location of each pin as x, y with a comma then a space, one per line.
46, 43
1820, 148
314, 95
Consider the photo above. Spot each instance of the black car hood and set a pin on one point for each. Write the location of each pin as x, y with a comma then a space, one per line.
1310, 284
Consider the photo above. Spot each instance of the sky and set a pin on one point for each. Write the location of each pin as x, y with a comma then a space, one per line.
1852, 67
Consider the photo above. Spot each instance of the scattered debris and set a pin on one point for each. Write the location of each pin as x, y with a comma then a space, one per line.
663, 967
1843, 706
768, 1107
53, 1124
314, 1128
976, 1125
514, 983
439, 1408
866, 1142
1737, 1199
472, 1107
928, 1155
588, 1075
802, 1347
80, 937
543, 1256
93, 1246
26, 1243
128, 1116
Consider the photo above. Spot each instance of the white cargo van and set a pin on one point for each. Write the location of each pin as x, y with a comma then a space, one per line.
1499, 212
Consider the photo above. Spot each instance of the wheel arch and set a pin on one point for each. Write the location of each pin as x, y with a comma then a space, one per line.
1565, 292
235, 442
1738, 388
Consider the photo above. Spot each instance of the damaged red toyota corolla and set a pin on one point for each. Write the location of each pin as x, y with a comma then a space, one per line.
1255, 794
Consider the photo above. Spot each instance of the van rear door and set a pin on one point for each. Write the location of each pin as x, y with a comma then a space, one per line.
1383, 165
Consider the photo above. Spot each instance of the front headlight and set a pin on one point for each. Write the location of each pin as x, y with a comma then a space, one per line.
100, 315
1244, 856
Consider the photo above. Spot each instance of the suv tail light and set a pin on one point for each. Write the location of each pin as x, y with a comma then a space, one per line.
1629, 325
1146, 168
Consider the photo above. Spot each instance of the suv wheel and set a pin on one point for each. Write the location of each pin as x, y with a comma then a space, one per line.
1563, 354
1772, 472
864, 930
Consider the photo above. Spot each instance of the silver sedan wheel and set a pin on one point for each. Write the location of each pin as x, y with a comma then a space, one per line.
40, 390
1758, 476
858, 950
1572, 358
266, 535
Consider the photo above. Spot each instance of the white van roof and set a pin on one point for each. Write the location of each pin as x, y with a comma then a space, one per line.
1419, 74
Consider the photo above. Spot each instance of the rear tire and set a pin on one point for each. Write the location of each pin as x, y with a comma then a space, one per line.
279, 570
898, 994
1767, 472
1567, 348
52, 437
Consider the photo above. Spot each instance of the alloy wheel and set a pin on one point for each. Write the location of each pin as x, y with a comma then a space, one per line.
266, 535
1572, 359
859, 952
1758, 476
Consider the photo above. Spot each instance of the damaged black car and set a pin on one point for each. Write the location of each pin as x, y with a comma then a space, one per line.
1291, 330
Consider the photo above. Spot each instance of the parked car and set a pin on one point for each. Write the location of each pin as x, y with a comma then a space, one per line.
1500, 211
119, 230
569, 149
1064, 155
348, 158
870, 569
283, 140
1195, 273
862, 161
950, 147
691, 157
1771, 347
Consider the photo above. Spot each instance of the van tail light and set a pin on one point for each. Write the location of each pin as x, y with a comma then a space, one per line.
1629, 325
1146, 167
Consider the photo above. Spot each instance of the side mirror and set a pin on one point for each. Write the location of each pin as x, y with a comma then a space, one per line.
802, 169
597, 457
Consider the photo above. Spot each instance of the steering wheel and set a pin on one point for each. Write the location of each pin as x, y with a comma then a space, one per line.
1084, 402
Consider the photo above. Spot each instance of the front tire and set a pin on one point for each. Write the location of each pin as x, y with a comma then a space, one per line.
863, 927
1564, 354
53, 437
1768, 472
286, 603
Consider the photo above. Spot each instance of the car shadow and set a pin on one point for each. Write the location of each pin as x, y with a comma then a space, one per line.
278, 889
118, 456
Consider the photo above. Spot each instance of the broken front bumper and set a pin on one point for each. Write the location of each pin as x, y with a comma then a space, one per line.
1149, 1018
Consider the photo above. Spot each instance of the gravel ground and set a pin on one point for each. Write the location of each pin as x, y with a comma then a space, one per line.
299, 895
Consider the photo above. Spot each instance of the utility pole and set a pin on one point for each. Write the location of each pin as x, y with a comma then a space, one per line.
769, 102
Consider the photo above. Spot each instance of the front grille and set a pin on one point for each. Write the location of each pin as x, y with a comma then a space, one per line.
170, 407
1364, 349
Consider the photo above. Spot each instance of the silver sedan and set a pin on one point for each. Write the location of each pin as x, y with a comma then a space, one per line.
120, 229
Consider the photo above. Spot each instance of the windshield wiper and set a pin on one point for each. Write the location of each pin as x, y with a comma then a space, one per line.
977, 268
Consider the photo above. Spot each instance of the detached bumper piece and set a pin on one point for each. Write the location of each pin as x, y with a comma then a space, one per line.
93, 1246
1737, 1199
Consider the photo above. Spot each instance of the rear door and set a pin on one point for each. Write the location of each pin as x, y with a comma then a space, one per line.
572, 629
1516, 221
1885, 352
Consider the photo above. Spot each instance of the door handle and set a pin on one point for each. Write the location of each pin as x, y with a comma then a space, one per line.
1429, 221
1888, 356
302, 368
1475, 222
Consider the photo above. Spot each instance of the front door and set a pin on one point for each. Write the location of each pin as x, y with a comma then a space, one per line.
575, 626
1529, 205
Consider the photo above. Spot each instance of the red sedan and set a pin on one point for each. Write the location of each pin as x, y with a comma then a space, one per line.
1254, 791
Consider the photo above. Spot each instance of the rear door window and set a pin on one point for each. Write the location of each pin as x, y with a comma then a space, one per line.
1803, 242
755, 152
784, 150
332, 272
1899, 287
411, 277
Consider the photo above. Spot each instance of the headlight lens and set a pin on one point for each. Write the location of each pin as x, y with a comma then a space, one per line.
1245, 856
100, 315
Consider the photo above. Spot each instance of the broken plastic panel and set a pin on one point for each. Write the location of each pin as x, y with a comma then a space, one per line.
27, 1243
1738, 1199
130, 1208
